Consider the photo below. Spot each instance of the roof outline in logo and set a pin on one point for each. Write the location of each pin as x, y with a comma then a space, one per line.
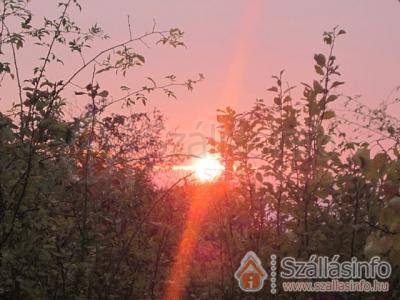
251, 262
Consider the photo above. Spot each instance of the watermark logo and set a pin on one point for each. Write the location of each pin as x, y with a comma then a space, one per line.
317, 274
251, 274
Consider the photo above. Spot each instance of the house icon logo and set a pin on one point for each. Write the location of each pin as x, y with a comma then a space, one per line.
251, 274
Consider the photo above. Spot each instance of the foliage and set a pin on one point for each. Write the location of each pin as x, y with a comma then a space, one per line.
78, 205
300, 186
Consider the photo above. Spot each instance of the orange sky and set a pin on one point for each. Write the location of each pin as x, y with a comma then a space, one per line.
238, 45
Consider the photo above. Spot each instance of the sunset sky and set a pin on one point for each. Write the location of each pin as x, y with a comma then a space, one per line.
238, 45
182, 149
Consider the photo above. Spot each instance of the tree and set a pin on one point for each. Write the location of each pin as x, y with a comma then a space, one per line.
76, 192
303, 187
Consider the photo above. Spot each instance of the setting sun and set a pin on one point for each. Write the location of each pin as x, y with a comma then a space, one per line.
208, 168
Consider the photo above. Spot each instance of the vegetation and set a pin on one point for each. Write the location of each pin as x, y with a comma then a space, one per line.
82, 218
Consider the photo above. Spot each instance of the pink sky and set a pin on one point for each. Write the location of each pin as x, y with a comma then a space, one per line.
238, 45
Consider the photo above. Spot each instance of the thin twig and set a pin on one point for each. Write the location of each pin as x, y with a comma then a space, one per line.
93, 59
383, 229
130, 28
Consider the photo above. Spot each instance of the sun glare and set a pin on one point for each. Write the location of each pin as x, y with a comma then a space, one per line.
208, 168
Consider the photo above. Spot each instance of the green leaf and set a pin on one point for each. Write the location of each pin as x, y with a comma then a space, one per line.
328, 39
362, 157
318, 87
319, 70
336, 84
331, 98
103, 94
320, 59
329, 114
273, 89
141, 58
